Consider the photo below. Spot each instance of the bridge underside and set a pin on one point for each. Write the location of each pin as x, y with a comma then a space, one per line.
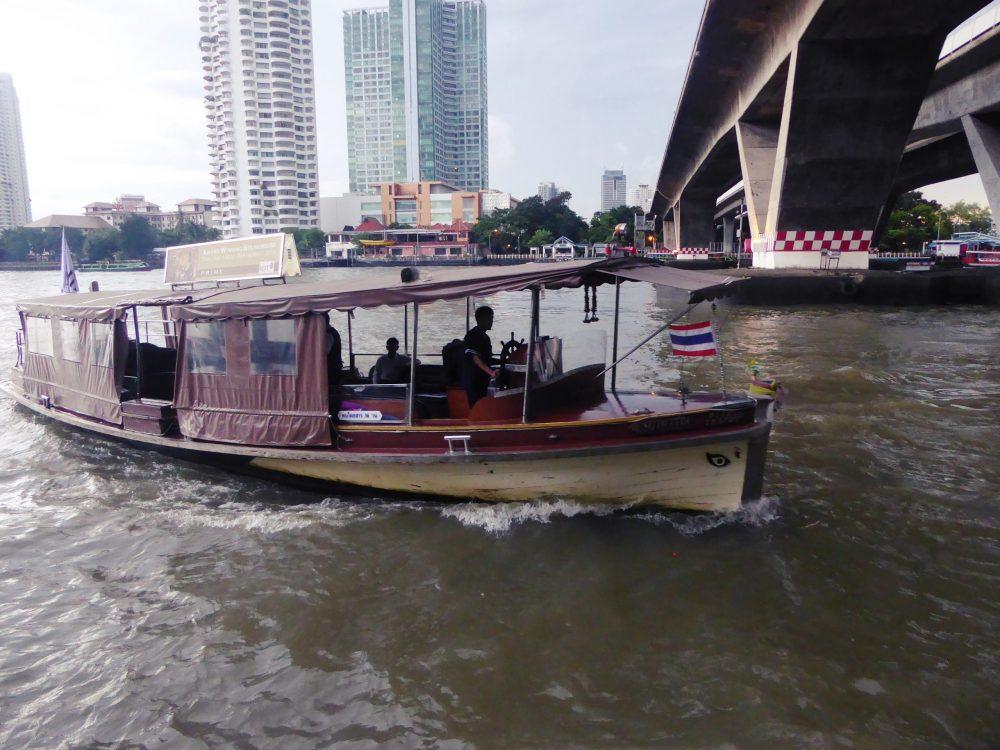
814, 109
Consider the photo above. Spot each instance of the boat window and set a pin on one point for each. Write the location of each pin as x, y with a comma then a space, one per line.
272, 347
69, 340
206, 348
39, 335
100, 344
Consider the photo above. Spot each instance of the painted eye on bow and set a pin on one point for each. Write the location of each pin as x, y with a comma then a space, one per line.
717, 460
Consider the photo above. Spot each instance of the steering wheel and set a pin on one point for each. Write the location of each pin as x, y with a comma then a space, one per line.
509, 347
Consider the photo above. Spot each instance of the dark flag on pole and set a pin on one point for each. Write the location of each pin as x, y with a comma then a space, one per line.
66, 265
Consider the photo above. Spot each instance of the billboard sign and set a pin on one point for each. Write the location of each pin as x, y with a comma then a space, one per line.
269, 256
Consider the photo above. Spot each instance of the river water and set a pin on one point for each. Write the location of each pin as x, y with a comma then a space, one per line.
146, 602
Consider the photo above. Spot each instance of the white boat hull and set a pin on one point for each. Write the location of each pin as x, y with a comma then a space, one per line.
707, 477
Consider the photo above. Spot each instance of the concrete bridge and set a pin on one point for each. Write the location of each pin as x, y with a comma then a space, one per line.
826, 110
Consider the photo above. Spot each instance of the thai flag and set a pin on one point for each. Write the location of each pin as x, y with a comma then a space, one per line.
693, 339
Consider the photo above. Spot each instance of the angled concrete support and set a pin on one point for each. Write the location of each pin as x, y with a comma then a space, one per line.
758, 144
984, 140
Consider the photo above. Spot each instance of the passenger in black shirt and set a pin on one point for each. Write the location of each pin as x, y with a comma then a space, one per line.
478, 370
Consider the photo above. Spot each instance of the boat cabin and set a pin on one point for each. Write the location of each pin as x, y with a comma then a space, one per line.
263, 366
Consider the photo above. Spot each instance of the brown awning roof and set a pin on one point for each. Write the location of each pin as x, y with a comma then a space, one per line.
106, 306
278, 300
699, 284
442, 284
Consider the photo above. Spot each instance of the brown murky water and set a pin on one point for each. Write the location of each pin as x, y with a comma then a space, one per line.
147, 602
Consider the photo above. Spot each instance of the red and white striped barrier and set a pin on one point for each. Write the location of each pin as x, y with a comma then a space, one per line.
845, 241
835, 248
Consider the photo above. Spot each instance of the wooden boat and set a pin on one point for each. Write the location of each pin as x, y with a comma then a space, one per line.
242, 382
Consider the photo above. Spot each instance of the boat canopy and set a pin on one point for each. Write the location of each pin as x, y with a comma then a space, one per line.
275, 301
281, 300
105, 307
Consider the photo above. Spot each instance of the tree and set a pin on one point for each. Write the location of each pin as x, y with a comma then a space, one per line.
968, 217
138, 238
102, 244
914, 221
602, 226
187, 233
509, 226
540, 238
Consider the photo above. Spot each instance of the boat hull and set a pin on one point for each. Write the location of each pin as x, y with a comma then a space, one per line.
708, 472
705, 477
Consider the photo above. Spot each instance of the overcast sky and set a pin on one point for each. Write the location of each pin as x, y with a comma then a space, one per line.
111, 97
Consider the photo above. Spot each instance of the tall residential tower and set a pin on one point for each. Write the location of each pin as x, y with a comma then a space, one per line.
260, 100
417, 93
15, 204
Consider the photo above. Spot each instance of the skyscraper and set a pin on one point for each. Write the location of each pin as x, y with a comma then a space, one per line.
15, 204
417, 93
613, 189
257, 58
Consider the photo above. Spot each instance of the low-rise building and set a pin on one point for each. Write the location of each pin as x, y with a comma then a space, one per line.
69, 221
373, 241
193, 210
348, 210
427, 203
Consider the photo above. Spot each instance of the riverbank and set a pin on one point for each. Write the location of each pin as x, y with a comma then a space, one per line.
954, 286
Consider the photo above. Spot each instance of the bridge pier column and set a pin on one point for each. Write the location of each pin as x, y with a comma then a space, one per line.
670, 234
728, 234
694, 216
984, 140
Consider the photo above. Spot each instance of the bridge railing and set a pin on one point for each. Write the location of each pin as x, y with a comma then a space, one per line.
968, 30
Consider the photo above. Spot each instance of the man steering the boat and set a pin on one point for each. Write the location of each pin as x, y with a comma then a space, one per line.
478, 370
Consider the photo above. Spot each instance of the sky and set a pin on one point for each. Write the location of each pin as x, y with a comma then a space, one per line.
111, 96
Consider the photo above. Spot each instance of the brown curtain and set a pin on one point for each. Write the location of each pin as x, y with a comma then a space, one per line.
240, 406
90, 386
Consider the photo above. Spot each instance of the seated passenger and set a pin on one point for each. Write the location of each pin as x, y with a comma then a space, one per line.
478, 369
392, 367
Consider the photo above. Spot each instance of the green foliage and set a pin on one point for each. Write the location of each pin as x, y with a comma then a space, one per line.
135, 240
602, 226
510, 227
101, 244
187, 233
24, 243
540, 238
968, 217
307, 240
138, 238
916, 220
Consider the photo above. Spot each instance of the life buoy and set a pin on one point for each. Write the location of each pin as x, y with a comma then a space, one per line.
849, 288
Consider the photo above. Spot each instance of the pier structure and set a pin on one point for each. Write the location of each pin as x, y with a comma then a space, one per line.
826, 111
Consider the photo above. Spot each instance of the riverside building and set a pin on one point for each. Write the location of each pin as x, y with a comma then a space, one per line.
260, 103
416, 94
15, 203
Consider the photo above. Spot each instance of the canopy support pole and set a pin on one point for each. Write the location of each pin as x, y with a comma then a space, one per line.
350, 340
411, 397
138, 358
614, 340
526, 408
406, 329
468, 314
649, 338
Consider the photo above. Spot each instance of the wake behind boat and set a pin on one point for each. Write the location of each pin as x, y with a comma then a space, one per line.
252, 379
